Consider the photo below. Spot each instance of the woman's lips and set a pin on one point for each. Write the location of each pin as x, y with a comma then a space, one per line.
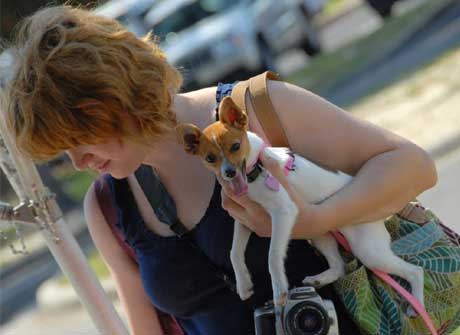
102, 167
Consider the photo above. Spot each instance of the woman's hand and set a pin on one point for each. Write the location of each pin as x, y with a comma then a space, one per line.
257, 219
246, 211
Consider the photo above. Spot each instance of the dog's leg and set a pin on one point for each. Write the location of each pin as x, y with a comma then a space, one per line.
283, 219
244, 284
388, 262
328, 246
376, 253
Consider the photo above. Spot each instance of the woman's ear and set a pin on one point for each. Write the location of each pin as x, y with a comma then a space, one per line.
231, 114
189, 135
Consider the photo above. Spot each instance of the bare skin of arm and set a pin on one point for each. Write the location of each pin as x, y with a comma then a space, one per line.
141, 316
389, 170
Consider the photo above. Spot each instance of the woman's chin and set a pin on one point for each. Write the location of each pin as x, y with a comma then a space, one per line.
122, 173
117, 175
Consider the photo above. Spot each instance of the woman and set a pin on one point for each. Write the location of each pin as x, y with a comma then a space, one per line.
87, 87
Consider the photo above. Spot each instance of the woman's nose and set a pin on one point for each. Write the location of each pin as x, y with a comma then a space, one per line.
79, 160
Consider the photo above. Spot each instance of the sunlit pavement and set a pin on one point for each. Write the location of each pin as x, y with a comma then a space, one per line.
444, 198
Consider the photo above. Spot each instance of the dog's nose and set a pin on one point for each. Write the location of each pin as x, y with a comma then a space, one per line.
230, 173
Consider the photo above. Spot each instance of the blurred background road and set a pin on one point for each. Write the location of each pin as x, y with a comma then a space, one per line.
394, 63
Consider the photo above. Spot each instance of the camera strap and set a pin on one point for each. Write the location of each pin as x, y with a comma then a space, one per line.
165, 209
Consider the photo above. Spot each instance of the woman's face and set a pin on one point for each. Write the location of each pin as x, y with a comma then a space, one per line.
118, 158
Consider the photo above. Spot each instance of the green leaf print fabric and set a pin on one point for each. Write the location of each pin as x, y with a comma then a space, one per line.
379, 310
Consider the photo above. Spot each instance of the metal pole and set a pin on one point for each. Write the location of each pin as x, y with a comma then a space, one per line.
59, 239
73, 264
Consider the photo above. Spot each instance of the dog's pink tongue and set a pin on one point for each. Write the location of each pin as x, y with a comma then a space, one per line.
239, 186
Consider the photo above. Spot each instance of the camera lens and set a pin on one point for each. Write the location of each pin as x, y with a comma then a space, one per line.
307, 318
309, 321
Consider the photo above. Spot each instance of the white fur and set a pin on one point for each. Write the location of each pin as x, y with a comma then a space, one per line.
370, 242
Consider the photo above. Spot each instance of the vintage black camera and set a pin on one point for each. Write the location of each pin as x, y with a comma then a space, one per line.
305, 313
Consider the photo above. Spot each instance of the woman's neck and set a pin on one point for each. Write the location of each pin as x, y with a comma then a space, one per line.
195, 107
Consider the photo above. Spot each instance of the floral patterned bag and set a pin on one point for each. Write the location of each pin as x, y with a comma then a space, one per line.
378, 309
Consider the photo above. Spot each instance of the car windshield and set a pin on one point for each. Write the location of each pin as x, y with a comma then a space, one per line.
190, 14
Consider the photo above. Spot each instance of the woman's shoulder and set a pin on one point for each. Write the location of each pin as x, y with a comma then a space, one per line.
105, 241
101, 202
98, 226
201, 93
91, 208
197, 104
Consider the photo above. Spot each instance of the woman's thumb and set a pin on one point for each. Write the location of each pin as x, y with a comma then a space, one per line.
273, 166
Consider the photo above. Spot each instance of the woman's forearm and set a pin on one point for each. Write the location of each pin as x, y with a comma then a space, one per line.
141, 316
383, 186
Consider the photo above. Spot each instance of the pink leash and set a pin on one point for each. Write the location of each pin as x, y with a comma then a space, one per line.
390, 281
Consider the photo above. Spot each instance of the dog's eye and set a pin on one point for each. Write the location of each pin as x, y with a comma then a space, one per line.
210, 158
235, 147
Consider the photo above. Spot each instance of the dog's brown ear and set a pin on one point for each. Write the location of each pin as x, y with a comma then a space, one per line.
189, 135
231, 114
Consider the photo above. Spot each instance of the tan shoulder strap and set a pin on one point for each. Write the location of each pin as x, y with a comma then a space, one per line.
264, 110
239, 93
414, 212
262, 105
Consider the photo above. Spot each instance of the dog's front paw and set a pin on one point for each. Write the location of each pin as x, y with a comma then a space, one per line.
244, 285
245, 290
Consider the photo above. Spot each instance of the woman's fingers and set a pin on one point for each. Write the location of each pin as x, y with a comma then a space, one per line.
277, 171
243, 200
251, 214
274, 167
231, 206
225, 187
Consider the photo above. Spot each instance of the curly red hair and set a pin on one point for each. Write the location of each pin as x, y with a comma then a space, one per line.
80, 78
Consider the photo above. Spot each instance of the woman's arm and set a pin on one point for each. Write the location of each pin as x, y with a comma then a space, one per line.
142, 317
389, 170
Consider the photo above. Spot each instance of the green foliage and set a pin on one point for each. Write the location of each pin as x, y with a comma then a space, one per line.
97, 265
76, 184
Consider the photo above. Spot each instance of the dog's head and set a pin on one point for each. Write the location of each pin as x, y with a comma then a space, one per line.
223, 145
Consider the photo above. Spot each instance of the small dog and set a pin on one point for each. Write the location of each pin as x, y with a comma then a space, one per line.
231, 151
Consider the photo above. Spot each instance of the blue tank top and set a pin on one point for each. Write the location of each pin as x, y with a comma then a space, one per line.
179, 280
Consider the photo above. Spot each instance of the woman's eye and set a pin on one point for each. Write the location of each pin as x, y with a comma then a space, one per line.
210, 158
235, 147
